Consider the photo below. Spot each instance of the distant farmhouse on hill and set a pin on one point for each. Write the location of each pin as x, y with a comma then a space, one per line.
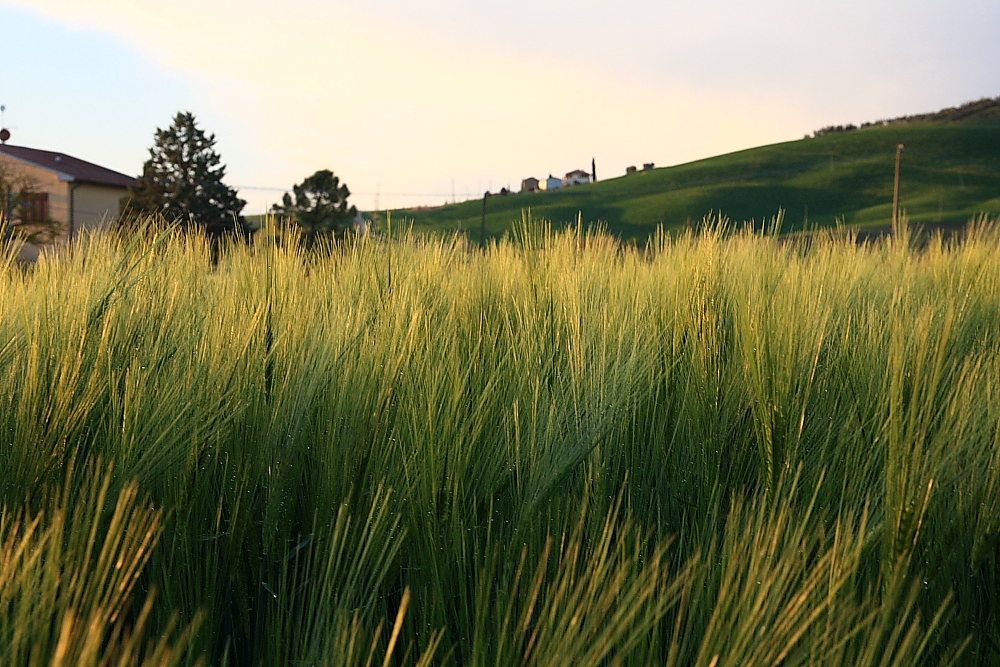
575, 177
55, 196
551, 183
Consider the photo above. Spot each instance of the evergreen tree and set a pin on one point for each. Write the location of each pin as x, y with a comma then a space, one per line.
182, 180
319, 207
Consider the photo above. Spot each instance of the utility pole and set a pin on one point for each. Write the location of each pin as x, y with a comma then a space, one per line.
8, 227
482, 224
895, 194
72, 211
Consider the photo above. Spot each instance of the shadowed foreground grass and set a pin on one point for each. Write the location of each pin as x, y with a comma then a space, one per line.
730, 449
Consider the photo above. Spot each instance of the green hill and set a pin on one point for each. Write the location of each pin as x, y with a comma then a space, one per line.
950, 173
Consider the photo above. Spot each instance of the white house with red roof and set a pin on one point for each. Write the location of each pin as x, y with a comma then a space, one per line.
576, 177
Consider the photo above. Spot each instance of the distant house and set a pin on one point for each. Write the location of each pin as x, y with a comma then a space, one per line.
551, 183
576, 177
360, 224
68, 192
529, 185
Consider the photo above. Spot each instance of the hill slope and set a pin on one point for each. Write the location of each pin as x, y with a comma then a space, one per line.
950, 173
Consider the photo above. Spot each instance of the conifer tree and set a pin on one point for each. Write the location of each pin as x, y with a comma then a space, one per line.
182, 180
319, 207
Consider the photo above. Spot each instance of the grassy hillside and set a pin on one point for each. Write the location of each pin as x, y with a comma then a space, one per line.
950, 173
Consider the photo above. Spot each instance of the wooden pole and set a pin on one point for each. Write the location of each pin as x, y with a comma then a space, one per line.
72, 212
895, 194
482, 224
8, 225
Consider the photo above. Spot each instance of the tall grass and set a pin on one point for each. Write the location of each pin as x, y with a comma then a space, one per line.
727, 449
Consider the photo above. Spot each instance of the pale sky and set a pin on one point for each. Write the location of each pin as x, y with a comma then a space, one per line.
404, 99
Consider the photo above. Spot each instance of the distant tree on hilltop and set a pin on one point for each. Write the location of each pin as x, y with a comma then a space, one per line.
319, 207
182, 180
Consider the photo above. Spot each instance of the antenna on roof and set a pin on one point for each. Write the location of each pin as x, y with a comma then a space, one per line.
4, 132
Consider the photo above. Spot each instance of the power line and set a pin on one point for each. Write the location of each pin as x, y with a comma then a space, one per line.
964, 163
650, 187
772, 172
272, 188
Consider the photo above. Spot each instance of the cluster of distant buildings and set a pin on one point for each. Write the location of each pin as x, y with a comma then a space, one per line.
575, 177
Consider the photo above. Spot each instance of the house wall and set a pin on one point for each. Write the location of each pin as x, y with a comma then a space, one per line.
95, 206
41, 180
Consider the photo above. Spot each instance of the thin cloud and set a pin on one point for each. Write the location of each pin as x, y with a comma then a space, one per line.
404, 100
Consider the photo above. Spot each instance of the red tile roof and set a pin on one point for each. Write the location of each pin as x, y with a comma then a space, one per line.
69, 167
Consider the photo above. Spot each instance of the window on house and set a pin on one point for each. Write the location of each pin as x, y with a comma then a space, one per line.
34, 206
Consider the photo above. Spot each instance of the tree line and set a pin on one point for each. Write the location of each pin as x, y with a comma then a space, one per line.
182, 181
985, 108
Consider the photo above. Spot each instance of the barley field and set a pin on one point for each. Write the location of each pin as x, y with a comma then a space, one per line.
730, 448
